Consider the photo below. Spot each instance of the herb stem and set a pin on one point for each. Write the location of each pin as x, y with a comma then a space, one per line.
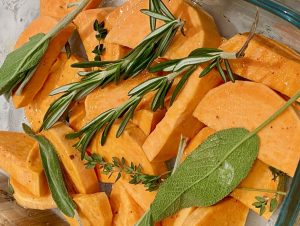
263, 190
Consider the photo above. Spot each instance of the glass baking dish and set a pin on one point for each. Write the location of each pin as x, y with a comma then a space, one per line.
279, 20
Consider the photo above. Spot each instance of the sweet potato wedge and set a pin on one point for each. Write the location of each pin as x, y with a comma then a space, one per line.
179, 218
227, 212
41, 25
247, 105
27, 200
200, 29
61, 74
58, 8
84, 23
128, 145
95, 207
97, 102
139, 193
259, 177
162, 143
84, 180
146, 119
266, 61
77, 116
14, 150
126, 211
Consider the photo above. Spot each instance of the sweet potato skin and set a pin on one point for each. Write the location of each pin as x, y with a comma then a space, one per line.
162, 143
200, 29
41, 25
84, 180
15, 148
58, 8
248, 104
61, 74
266, 61
27, 200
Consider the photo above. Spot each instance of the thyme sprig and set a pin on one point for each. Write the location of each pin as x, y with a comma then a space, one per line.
119, 167
153, 46
101, 33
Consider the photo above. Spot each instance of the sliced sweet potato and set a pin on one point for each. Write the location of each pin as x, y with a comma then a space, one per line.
268, 62
14, 151
128, 145
179, 218
162, 143
84, 23
147, 119
74, 222
248, 104
139, 193
97, 102
200, 29
259, 177
41, 25
27, 200
84, 180
59, 8
227, 212
77, 116
61, 74
95, 207
126, 211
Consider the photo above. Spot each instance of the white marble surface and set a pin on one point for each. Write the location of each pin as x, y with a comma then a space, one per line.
15, 15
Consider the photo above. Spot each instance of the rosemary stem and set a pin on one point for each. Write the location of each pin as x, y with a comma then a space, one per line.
263, 190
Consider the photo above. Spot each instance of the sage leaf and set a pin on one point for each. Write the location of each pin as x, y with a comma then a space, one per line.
50, 162
273, 204
19, 62
209, 174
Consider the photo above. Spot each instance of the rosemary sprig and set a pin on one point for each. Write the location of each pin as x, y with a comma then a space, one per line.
20, 65
153, 46
160, 85
119, 167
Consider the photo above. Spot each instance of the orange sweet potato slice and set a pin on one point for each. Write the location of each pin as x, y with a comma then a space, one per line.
129, 146
83, 179
41, 25
147, 119
95, 207
84, 23
259, 177
266, 61
97, 102
248, 104
58, 8
162, 143
61, 74
179, 218
77, 116
27, 200
200, 29
14, 150
126, 211
227, 212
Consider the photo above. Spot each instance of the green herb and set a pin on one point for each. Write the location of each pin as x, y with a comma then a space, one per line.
212, 171
153, 46
262, 202
68, 50
20, 65
101, 33
276, 173
161, 85
51, 165
119, 167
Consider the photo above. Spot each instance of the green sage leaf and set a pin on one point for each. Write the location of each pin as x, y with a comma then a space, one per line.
19, 62
50, 162
209, 174
273, 204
